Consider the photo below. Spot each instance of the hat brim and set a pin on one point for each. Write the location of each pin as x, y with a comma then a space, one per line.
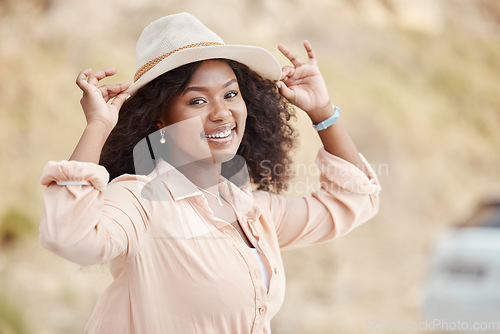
256, 58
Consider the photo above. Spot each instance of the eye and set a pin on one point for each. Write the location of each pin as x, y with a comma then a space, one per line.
231, 94
196, 101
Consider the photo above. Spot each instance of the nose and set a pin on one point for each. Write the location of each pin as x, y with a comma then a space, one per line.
220, 111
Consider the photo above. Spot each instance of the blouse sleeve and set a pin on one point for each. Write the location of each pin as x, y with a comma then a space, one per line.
85, 219
347, 198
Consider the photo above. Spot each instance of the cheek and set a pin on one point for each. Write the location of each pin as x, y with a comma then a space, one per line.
183, 138
242, 114
176, 112
172, 117
242, 122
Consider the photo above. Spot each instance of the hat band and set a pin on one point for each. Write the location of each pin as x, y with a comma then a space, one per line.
152, 63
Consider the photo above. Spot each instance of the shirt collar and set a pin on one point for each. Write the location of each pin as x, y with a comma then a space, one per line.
180, 187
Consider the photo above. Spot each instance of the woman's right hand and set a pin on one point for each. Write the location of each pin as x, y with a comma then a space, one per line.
95, 99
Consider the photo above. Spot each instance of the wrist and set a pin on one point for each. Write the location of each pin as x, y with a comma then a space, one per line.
92, 141
320, 114
99, 128
326, 123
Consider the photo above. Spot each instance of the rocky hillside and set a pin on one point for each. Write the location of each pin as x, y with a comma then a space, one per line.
418, 85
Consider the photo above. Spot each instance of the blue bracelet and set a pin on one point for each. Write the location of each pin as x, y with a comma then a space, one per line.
328, 122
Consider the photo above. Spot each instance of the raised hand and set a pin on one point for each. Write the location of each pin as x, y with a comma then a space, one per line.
303, 85
95, 99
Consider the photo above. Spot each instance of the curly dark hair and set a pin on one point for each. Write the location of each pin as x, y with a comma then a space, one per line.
268, 135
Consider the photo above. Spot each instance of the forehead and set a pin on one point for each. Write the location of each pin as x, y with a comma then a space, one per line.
212, 71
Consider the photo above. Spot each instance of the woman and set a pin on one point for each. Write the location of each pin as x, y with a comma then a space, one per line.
189, 251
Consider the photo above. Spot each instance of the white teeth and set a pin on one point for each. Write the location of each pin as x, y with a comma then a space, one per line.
220, 134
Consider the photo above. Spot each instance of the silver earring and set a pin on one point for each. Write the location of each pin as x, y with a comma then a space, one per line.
162, 134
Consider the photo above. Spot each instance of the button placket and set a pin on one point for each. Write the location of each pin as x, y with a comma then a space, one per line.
258, 286
253, 229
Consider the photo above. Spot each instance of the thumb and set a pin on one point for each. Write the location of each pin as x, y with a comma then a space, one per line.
120, 99
286, 92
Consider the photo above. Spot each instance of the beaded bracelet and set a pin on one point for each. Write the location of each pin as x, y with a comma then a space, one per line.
329, 121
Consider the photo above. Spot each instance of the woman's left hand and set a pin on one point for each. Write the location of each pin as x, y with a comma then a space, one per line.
303, 85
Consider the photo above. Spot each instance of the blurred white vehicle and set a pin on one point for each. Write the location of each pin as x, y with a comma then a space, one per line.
463, 282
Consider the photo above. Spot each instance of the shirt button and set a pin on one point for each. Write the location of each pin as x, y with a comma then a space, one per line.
275, 270
262, 310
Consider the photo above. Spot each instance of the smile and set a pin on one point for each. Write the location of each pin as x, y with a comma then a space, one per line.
222, 134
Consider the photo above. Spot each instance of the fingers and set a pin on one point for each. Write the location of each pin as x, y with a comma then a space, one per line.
310, 52
291, 56
286, 92
94, 79
110, 91
119, 100
86, 77
87, 81
294, 59
287, 72
81, 78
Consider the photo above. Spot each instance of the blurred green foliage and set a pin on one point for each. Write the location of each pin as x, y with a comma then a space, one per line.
11, 318
14, 226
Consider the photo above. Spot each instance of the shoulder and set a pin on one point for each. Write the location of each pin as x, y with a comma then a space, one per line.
270, 202
130, 181
141, 187
261, 196
130, 178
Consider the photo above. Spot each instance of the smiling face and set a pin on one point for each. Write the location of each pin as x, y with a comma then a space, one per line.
211, 111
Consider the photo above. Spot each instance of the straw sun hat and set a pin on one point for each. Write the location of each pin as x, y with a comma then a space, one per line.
180, 39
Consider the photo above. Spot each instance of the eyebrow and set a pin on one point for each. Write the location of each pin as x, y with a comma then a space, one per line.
204, 89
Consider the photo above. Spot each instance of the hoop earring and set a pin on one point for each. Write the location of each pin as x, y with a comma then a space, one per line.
162, 134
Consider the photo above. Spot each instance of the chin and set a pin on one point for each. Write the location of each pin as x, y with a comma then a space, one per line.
224, 152
223, 156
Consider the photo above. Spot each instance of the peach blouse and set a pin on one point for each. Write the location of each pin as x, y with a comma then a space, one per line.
177, 268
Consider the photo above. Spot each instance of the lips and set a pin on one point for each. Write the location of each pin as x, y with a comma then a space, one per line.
219, 132
220, 135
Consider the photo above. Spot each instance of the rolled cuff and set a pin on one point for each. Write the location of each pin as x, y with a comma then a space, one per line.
75, 173
346, 175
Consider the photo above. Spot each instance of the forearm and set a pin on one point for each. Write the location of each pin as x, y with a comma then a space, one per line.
91, 143
336, 139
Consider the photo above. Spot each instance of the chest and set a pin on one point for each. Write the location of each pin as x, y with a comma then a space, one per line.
198, 261
224, 211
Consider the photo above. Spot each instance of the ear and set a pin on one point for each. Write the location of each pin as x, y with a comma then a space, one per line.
158, 124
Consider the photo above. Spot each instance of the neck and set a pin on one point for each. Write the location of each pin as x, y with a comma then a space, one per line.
199, 167
205, 175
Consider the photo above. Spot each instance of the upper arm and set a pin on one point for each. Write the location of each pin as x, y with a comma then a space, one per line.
91, 222
347, 198
300, 221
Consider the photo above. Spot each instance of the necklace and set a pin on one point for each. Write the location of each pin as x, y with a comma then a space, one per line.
218, 196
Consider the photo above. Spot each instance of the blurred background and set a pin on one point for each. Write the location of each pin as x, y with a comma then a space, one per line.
418, 84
